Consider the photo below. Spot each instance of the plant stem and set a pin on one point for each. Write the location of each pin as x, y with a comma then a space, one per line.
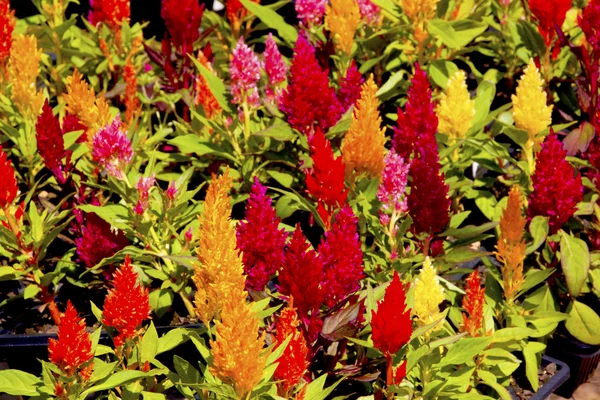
188, 304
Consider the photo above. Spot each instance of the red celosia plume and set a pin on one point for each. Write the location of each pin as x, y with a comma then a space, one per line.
473, 302
548, 13
7, 26
127, 304
183, 19
556, 189
259, 239
73, 348
97, 240
325, 180
350, 87
391, 323
50, 142
293, 362
8, 189
111, 12
342, 257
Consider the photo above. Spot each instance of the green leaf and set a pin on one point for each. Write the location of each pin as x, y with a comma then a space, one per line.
456, 34
469, 231
118, 379
18, 383
440, 72
273, 20
216, 85
186, 371
172, 339
575, 262
490, 380
518, 136
464, 351
161, 300
115, 214
7, 273
192, 144
31, 291
583, 323
530, 352
149, 344
102, 370
539, 229
315, 391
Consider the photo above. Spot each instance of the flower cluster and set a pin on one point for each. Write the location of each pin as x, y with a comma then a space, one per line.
9, 188
428, 295
182, 19
50, 142
111, 12
456, 110
350, 87
127, 304
549, 14
245, 74
112, 149
293, 362
259, 239
370, 12
392, 188
342, 17
143, 187
23, 67
473, 302
7, 26
274, 67
588, 22
97, 240
310, 12
204, 96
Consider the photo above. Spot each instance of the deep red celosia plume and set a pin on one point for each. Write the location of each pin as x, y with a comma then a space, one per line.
259, 239
350, 87
50, 142
97, 240
418, 121
182, 19
8, 188
473, 302
127, 304
73, 348
342, 257
391, 323
293, 362
301, 275
325, 180
556, 189
548, 13
428, 201
111, 12
309, 101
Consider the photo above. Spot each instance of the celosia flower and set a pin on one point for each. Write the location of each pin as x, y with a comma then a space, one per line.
204, 96
127, 304
73, 349
81, 102
245, 74
419, 10
473, 302
132, 102
293, 362
549, 13
306, 108
392, 189
418, 120
325, 180
511, 245
7, 26
342, 257
236, 12
428, 295
588, 22
171, 191
370, 12
259, 239
143, 187
24, 68
238, 357
428, 201
556, 191
363, 148
530, 111
220, 268
8, 189
342, 18
275, 68
350, 87
112, 149
50, 142
111, 12
391, 323
301, 275
182, 19
456, 110
310, 12
98, 241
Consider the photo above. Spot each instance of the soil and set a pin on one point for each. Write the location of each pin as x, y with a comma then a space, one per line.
544, 374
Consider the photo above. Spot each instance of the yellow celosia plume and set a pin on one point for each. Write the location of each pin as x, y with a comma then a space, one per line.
220, 269
456, 110
419, 10
81, 101
363, 148
24, 68
530, 111
238, 356
511, 245
428, 295
342, 18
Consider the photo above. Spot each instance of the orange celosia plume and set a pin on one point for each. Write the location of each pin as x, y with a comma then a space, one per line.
511, 245
342, 18
473, 302
204, 95
293, 362
132, 102
220, 267
24, 68
363, 148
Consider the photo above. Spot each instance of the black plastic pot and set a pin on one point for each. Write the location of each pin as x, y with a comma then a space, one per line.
554, 383
23, 352
582, 359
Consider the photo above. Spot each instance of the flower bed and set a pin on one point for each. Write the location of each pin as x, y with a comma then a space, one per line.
343, 199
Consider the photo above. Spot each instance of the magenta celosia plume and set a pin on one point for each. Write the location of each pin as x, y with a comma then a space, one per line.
418, 119
259, 239
274, 66
350, 87
245, 74
143, 187
50, 142
112, 149
369, 11
392, 188
589, 21
342, 256
556, 188
182, 19
310, 12
309, 101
